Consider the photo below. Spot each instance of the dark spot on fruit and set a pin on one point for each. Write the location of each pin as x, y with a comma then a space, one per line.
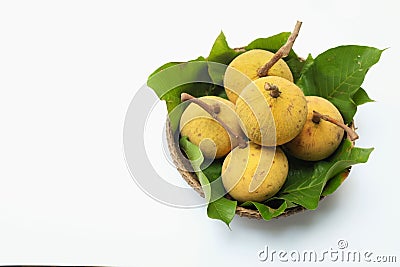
258, 147
252, 154
338, 136
199, 134
270, 106
284, 165
297, 126
273, 161
300, 111
262, 173
309, 131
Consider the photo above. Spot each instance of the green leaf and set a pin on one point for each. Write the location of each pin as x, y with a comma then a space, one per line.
338, 73
341, 172
267, 213
174, 78
361, 97
175, 74
196, 158
299, 66
272, 44
291, 205
303, 185
335, 182
221, 52
222, 209
163, 67
218, 207
213, 171
306, 180
222, 94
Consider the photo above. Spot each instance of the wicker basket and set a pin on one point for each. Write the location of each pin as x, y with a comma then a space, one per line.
190, 177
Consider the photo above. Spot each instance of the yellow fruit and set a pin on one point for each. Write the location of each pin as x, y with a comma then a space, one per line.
206, 132
272, 111
254, 173
244, 69
317, 140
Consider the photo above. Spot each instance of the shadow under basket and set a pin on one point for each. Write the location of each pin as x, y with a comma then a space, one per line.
183, 165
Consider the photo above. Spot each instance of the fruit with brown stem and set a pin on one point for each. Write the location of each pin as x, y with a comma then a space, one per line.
272, 111
205, 131
258, 63
322, 133
244, 69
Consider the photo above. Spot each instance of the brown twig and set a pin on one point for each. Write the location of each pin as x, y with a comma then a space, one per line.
282, 52
350, 132
239, 49
213, 111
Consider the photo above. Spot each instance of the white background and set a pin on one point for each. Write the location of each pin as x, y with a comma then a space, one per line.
68, 71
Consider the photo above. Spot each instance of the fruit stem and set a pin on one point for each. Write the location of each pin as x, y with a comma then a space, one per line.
282, 52
274, 90
213, 111
350, 132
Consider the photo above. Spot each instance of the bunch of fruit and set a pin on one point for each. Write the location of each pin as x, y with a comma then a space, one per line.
264, 126
266, 116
